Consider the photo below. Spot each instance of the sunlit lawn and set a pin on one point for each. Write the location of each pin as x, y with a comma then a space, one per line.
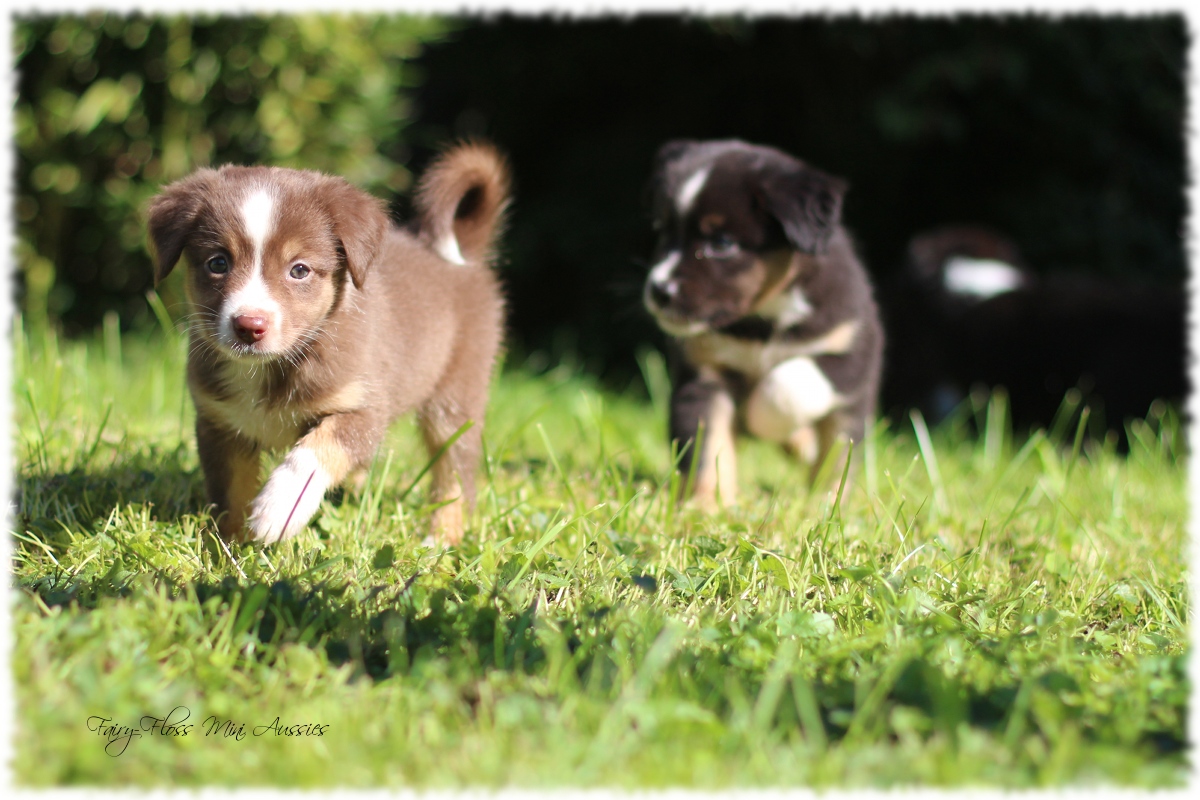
977, 610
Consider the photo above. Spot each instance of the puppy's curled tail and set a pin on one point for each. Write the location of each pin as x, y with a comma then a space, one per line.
460, 203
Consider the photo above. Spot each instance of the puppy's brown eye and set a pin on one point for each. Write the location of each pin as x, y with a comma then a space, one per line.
721, 245
217, 265
300, 271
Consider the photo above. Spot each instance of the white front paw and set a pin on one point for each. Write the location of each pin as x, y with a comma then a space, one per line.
292, 495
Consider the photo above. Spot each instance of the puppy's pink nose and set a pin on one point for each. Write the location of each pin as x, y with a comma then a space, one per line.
249, 328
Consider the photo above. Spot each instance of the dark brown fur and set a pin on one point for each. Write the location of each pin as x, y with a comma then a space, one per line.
759, 284
381, 326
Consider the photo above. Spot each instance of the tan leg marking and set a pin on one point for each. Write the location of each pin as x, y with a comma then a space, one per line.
244, 472
716, 472
356, 481
780, 268
802, 445
839, 340
346, 398
834, 448
322, 440
447, 522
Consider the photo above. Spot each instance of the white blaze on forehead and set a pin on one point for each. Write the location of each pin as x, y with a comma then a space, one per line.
981, 278
691, 189
257, 216
258, 219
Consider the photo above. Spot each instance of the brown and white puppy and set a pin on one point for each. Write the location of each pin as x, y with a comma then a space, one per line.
776, 330
315, 322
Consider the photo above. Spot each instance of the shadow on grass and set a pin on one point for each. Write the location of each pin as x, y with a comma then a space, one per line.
82, 500
462, 633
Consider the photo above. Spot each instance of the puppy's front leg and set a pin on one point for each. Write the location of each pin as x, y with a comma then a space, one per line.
321, 459
230, 465
835, 435
705, 402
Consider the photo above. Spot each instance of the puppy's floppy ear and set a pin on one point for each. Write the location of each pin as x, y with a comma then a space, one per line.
359, 223
807, 203
171, 218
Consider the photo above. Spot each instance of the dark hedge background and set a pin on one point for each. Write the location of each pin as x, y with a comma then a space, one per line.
1066, 134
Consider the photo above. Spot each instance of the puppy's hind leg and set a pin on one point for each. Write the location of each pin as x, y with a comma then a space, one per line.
453, 470
461, 397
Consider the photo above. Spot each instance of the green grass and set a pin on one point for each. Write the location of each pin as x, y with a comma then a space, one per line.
977, 611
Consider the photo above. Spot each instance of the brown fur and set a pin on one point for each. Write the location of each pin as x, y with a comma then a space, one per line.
381, 326
468, 184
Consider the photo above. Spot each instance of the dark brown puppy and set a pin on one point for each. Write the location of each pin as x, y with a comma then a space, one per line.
775, 325
315, 322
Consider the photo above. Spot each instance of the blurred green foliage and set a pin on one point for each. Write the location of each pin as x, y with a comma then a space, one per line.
111, 107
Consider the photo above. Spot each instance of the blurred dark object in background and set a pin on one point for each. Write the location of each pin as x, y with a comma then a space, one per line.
1066, 133
966, 311
921, 312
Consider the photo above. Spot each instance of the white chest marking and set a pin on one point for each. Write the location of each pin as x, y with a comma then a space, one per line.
253, 297
786, 308
755, 359
793, 395
273, 429
690, 189
246, 411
